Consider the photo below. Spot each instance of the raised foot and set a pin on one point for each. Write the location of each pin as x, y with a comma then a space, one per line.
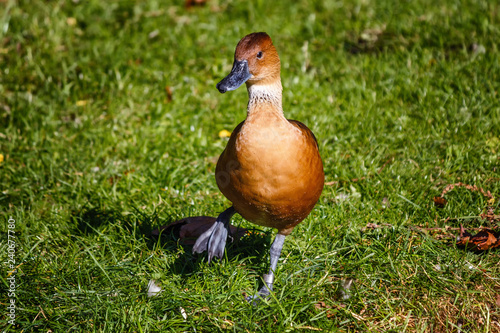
214, 239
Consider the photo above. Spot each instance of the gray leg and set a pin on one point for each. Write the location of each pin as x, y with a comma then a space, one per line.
214, 239
269, 278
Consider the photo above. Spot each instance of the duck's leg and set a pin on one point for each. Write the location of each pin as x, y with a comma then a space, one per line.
276, 247
214, 239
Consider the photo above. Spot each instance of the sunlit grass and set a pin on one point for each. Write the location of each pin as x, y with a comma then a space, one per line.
109, 122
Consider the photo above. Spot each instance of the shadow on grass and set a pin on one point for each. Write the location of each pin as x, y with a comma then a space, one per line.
91, 220
253, 246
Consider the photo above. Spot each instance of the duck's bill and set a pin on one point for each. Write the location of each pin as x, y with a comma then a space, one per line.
239, 75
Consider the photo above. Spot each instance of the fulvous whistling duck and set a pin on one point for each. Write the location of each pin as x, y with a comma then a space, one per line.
271, 169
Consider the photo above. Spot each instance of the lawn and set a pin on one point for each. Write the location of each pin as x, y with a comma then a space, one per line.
109, 129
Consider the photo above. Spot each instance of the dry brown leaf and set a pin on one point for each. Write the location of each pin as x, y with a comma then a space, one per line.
321, 305
440, 202
168, 91
485, 239
490, 242
188, 229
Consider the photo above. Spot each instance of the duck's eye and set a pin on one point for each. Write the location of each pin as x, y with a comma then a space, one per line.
259, 55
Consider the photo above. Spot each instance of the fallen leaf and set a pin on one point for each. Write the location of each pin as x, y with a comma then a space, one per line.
321, 305
168, 91
498, 301
440, 202
1, 158
188, 229
485, 239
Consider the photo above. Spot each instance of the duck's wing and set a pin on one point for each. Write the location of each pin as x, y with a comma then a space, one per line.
304, 129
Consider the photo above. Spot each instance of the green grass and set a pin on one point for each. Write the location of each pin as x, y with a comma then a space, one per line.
97, 154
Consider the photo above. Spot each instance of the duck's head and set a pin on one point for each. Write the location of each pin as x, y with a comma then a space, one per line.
256, 61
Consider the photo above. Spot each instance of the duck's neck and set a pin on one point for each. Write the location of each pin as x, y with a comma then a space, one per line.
265, 99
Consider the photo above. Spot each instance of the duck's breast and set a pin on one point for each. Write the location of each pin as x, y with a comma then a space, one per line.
272, 172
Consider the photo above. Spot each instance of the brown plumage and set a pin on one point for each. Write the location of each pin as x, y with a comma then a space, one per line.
271, 169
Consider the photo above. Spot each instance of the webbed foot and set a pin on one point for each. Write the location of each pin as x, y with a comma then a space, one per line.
264, 292
266, 289
214, 239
